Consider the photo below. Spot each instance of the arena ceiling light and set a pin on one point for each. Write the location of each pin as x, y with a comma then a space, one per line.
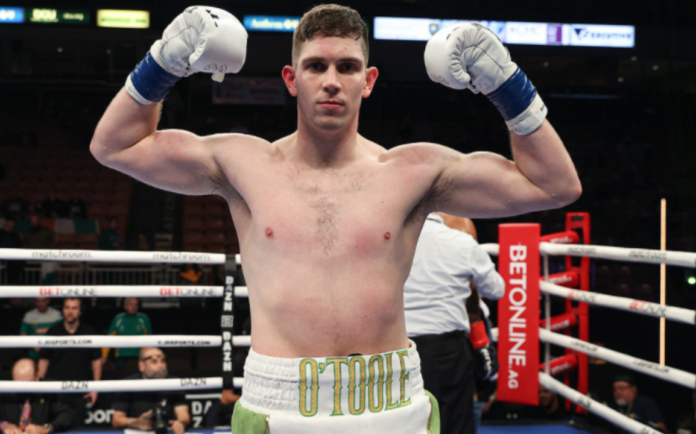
511, 32
123, 19
58, 16
10, 15
271, 23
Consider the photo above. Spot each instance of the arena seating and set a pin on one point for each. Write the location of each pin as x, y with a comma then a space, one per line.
70, 174
208, 226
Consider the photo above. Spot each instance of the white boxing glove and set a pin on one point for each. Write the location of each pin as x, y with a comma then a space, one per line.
470, 56
200, 39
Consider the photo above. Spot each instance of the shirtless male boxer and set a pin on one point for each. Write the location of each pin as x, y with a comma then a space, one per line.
327, 220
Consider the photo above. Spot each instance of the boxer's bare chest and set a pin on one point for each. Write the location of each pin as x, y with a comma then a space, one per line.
329, 212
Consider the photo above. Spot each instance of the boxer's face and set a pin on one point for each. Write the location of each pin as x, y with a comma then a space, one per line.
329, 80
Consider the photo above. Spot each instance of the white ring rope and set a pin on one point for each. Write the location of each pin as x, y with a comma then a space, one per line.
111, 341
115, 385
110, 291
643, 307
113, 256
241, 291
595, 407
666, 373
681, 259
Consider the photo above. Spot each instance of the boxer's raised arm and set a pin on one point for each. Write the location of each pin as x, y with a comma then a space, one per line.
199, 39
487, 185
127, 140
542, 176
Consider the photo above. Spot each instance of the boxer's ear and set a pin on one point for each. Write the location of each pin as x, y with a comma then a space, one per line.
370, 80
289, 79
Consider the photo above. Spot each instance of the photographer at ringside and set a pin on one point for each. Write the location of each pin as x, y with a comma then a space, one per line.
159, 411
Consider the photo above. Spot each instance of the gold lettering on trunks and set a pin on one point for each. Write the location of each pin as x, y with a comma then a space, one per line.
353, 384
403, 378
314, 387
390, 373
337, 361
374, 397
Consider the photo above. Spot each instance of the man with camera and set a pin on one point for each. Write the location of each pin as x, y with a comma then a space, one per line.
148, 411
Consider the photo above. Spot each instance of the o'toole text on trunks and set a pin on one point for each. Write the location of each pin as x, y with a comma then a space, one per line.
370, 383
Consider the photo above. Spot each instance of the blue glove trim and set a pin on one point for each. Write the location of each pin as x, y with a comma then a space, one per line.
151, 80
514, 96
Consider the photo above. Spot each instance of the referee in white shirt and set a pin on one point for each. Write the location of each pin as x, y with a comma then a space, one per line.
446, 263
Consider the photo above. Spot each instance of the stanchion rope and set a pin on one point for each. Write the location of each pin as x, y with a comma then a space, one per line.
115, 341
167, 384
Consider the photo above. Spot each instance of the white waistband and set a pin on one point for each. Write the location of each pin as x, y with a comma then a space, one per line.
332, 385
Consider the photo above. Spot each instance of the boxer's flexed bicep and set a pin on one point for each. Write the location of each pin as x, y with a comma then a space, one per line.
182, 162
487, 185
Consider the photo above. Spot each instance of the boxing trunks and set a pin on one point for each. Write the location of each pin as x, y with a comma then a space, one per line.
379, 394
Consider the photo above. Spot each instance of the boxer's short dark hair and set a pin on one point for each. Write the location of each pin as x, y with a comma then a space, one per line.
330, 20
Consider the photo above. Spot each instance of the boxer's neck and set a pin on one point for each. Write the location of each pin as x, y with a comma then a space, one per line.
320, 148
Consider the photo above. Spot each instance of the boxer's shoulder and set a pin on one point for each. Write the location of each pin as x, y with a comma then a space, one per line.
423, 154
239, 147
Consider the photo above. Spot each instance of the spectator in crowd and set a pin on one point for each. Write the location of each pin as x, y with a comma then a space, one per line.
550, 407
37, 321
14, 208
109, 238
139, 410
77, 208
9, 239
52, 207
129, 323
32, 413
190, 274
627, 401
72, 364
41, 237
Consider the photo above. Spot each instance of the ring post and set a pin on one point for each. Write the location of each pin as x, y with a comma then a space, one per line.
227, 322
518, 314
580, 221
547, 318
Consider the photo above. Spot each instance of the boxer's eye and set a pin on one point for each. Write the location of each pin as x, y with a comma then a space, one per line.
348, 67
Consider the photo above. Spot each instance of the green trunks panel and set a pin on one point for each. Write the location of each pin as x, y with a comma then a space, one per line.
248, 422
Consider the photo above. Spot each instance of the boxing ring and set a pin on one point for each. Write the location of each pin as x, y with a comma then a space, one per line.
513, 239
547, 331
226, 339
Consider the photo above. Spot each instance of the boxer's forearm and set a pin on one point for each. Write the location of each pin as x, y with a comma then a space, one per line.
543, 159
124, 124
